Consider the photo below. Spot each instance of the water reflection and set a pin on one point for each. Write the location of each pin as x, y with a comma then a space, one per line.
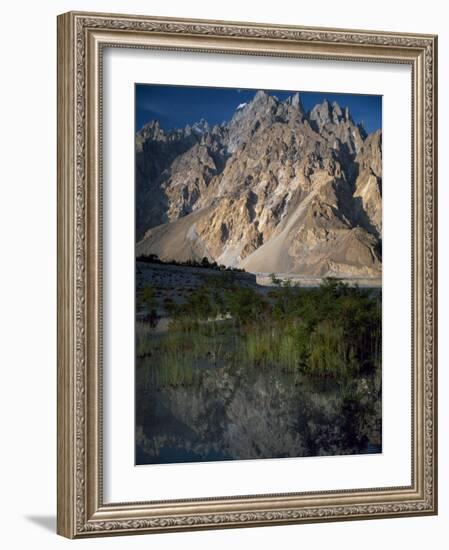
251, 413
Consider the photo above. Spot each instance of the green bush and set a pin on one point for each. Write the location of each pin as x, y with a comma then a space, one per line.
330, 331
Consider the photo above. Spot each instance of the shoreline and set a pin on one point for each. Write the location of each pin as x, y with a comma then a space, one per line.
264, 279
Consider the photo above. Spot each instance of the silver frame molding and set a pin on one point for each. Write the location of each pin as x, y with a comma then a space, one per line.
81, 39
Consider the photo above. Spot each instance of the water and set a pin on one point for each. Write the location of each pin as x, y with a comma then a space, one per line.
242, 413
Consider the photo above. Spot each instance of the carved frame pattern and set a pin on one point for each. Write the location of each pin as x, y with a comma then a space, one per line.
81, 37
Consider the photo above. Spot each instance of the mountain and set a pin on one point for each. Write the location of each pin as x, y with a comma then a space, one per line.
275, 189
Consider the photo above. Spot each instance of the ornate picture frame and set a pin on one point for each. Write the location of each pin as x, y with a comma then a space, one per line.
82, 38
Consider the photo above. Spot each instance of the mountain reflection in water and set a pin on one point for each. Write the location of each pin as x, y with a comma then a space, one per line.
250, 413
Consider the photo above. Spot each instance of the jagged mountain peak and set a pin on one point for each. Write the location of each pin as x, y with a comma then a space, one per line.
330, 113
260, 102
151, 130
199, 128
324, 114
263, 96
295, 101
336, 108
273, 189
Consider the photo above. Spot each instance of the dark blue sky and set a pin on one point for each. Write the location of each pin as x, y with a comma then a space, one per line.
176, 106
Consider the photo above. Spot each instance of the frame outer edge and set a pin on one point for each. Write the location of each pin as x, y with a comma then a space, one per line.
435, 268
66, 341
75, 485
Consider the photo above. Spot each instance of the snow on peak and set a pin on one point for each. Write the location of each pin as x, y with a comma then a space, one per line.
240, 106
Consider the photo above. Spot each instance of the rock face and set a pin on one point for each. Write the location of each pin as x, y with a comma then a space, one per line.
275, 189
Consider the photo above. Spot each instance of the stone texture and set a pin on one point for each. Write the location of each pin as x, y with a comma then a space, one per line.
275, 189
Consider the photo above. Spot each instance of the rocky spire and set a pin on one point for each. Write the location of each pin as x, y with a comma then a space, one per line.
321, 114
337, 114
295, 103
152, 130
261, 95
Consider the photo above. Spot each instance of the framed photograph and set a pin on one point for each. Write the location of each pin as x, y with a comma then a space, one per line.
246, 274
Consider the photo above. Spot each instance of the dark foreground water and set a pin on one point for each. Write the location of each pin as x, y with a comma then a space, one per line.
241, 413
